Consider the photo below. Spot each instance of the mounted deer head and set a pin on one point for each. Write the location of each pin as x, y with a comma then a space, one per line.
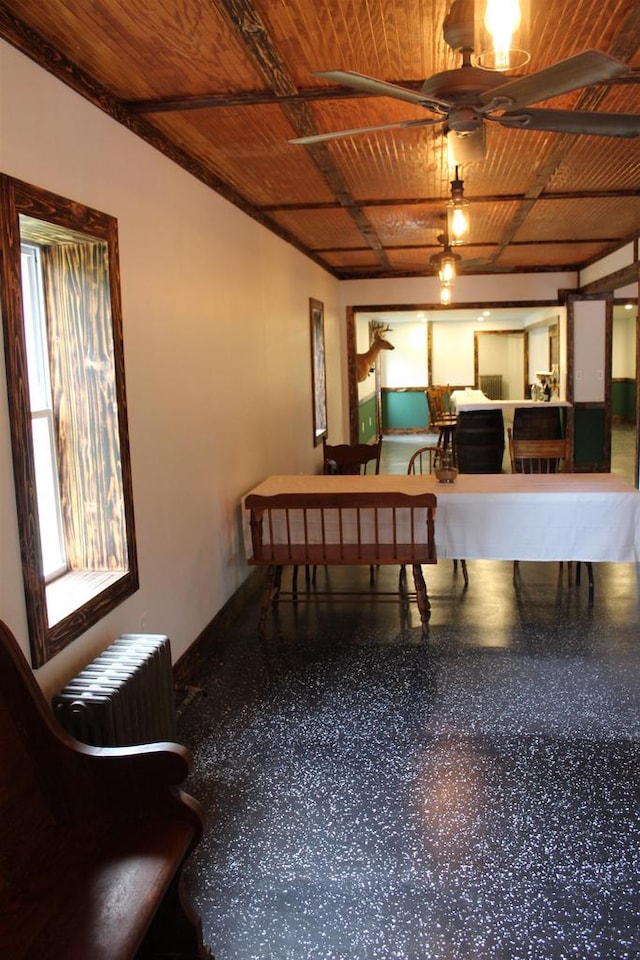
365, 362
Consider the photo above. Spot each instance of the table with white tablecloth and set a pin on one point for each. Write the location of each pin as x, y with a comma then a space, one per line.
588, 517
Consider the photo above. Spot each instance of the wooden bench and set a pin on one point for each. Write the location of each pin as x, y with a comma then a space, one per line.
94, 839
342, 528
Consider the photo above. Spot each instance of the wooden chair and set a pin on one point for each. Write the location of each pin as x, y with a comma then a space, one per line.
443, 420
94, 839
544, 456
351, 458
420, 459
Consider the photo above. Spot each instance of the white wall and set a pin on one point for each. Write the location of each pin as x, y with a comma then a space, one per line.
406, 364
623, 359
217, 359
423, 292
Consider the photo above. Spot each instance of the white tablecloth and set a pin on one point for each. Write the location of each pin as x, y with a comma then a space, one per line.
591, 517
468, 395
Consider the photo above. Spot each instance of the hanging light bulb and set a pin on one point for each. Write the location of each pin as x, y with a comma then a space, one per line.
503, 39
445, 294
457, 214
447, 271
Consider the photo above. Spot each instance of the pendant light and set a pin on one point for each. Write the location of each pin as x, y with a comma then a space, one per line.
445, 264
457, 214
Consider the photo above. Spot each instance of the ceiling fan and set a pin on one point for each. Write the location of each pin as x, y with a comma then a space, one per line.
467, 96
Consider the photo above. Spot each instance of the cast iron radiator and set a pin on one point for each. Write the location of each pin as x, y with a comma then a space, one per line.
491, 384
124, 697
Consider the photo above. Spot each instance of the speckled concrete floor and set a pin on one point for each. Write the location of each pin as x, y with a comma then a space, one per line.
473, 797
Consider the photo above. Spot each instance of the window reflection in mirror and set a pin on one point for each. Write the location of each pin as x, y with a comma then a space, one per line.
65, 374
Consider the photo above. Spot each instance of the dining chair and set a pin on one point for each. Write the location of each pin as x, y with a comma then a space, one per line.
423, 457
443, 420
344, 459
537, 421
351, 458
544, 456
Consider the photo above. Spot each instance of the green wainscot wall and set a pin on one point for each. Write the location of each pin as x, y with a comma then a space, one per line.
623, 400
367, 420
589, 437
404, 410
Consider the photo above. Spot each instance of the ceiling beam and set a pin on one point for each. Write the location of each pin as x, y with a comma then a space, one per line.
259, 98
243, 18
255, 98
428, 201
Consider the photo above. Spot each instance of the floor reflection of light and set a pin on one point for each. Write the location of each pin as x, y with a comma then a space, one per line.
452, 795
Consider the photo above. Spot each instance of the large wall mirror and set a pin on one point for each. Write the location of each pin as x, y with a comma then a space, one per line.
501, 363
495, 347
62, 322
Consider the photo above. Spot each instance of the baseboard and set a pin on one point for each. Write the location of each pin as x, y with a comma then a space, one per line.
187, 670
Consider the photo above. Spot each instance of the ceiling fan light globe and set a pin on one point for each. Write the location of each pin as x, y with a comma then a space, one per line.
502, 35
502, 60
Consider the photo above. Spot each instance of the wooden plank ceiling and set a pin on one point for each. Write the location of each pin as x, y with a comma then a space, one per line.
221, 86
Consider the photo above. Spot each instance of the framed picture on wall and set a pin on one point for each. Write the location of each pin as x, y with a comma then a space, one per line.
318, 371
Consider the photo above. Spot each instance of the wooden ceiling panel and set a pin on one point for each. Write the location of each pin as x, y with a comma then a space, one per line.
390, 39
547, 256
560, 30
390, 164
488, 221
221, 87
408, 225
475, 258
512, 158
580, 219
417, 262
320, 229
348, 259
249, 148
598, 163
141, 49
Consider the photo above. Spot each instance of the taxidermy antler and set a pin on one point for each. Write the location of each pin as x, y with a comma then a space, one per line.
365, 362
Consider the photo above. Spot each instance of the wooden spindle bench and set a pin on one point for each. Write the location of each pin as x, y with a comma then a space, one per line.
369, 526
93, 841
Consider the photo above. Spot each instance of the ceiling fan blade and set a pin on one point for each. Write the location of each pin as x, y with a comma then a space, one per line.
336, 135
380, 88
573, 121
582, 70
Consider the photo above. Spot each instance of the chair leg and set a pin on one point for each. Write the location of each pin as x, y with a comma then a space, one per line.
516, 570
589, 567
463, 565
422, 598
